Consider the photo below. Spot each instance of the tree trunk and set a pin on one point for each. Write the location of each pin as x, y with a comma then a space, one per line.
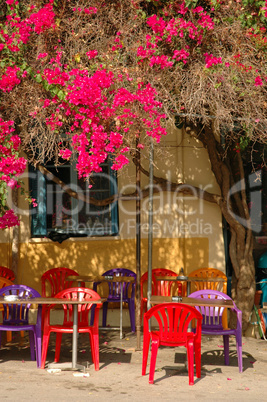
228, 170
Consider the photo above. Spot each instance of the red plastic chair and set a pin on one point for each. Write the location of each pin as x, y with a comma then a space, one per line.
158, 288
174, 320
213, 325
7, 273
54, 280
67, 326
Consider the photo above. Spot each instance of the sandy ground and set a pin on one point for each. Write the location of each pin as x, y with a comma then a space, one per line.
120, 379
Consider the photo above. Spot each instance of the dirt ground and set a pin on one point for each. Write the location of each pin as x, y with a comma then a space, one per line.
120, 379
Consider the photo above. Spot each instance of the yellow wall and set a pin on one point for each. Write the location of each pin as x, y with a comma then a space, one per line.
94, 257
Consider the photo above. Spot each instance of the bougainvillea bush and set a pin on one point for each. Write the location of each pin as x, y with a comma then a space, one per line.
95, 77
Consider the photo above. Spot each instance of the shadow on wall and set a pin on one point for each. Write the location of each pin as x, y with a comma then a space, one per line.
94, 257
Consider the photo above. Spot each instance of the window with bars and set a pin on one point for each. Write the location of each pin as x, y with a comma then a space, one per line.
58, 212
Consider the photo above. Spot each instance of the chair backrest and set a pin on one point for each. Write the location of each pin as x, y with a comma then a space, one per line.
174, 321
5, 282
7, 273
128, 288
212, 316
78, 293
162, 288
17, 313
54, 280
209, 273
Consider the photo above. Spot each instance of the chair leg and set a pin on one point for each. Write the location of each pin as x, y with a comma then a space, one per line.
226, 349
38, 348
225, 319
154, 352
146, 342
58, 346
190, 357
44, 348
9, 336
94, 340
105, 312
143, 308
239, 352
32, 345
197, 347
92, 346
44, 308
131, 307
92, 315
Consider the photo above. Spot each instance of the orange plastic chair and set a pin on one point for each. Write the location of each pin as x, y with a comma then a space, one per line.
174, 320
209, 273
54, 280
219, 286
7, 273
3, 283
162, 288
67, 326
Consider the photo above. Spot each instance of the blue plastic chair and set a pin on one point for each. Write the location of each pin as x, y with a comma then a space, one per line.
16, 318
114, 296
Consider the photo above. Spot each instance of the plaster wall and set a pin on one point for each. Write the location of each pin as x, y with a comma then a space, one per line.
187, 232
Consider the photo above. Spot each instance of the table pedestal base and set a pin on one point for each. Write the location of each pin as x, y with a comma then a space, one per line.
66, 366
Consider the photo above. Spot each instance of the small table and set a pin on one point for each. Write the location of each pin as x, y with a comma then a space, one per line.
53, 300
189, 280
193, 301
100, 278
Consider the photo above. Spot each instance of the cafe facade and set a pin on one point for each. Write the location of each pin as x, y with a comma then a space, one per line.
62, 231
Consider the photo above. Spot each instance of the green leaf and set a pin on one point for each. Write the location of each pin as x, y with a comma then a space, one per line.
61, 95
38, 78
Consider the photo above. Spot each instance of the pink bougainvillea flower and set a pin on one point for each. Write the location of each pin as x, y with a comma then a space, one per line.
92, 54
258, 81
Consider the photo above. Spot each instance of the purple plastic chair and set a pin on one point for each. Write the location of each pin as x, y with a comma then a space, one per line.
128, 296
15, 318
212, 323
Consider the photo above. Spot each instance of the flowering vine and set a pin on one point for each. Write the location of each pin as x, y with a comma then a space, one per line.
106, 94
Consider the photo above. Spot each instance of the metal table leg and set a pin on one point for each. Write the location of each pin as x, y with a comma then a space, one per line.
121, 313
73, 365
188, 288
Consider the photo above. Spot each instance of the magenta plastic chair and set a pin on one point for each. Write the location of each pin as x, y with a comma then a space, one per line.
173, 329
16, 318
212, 322
128, 296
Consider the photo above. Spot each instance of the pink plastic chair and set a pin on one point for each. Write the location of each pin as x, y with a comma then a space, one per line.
174, 320
158, 288
15, 318
67, 326
212, 322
